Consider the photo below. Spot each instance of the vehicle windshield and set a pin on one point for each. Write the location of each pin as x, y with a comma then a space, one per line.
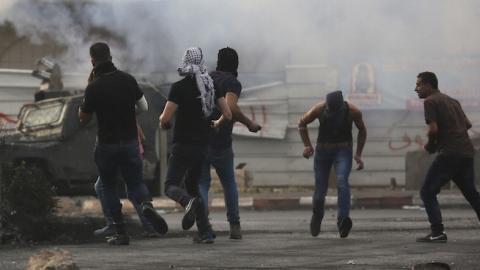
47, 114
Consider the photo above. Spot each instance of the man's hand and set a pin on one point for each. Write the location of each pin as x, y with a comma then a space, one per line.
308, 152
358, 160
254, 127
431, 148
84, 117
215, 124
166, 125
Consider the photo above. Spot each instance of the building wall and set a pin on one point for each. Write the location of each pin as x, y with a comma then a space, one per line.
392, 133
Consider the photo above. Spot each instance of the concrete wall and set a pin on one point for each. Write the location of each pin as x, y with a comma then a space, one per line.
417, 164
16, 88
279, 162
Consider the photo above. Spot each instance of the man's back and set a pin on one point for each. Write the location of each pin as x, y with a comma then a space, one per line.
112, 96
452, 126
191, 127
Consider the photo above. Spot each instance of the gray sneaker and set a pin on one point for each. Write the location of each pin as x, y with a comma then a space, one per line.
108, 230
235, 231
205, 238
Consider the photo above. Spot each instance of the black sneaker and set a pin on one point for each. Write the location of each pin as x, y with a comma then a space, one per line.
150, 233
206, 238
108, 230
190, 213
118, 239
158, 223
235, 231
315, 224
433, 238
344, 227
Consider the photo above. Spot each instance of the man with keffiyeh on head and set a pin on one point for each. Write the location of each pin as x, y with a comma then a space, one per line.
192, 99
220, 152
334, 147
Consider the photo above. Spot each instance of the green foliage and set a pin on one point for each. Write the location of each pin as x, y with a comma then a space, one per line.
28, 202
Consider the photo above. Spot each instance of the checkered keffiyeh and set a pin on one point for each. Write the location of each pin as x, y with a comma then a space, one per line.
194, 65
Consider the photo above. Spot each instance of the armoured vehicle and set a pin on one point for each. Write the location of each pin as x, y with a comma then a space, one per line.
49, 137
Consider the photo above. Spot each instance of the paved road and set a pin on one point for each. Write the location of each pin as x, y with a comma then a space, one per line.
380, 239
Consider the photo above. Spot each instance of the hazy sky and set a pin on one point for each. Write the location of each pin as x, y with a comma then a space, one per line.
398, 37
267, 33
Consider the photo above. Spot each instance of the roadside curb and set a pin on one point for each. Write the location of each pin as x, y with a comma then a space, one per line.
90, 204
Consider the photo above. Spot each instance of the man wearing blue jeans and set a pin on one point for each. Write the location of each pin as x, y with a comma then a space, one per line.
447, 135
220, 152
109, 229
334, 147
114, 97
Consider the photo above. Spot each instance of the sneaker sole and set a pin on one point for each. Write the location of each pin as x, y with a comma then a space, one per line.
205, 241
345, 227
187, 222
113, 242
156, 220
433, 242
314, 231
189, 218
104, 234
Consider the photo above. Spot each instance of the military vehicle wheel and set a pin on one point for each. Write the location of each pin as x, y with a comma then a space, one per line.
41, 173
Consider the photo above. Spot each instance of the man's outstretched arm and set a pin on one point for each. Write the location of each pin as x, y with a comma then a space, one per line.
167, 114
303, 122
361, 136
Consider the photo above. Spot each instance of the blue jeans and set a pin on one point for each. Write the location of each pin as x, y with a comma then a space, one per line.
106, 212
123, 157
222, 161
443, 169
184, 166
341, 159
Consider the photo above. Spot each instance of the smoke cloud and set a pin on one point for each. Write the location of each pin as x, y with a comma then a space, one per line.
150, 36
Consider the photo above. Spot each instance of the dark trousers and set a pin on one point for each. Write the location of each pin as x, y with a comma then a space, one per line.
222, 161
185, 164
443, 169
123, 157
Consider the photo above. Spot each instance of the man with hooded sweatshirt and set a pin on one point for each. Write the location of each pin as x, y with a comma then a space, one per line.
333, 147
220, 153
193, 99
114, 96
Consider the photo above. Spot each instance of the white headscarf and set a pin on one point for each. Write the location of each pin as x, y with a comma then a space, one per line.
194, 65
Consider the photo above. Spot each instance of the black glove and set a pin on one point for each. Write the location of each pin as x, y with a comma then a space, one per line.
431, 148
255, 128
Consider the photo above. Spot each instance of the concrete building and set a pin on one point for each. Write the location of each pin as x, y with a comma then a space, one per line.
274, 156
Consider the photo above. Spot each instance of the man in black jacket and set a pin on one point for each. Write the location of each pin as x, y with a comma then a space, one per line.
114, 96
220, 153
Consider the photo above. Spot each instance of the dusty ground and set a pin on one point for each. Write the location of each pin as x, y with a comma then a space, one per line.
380, 239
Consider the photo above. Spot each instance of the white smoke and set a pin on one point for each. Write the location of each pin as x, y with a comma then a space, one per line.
150, 36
